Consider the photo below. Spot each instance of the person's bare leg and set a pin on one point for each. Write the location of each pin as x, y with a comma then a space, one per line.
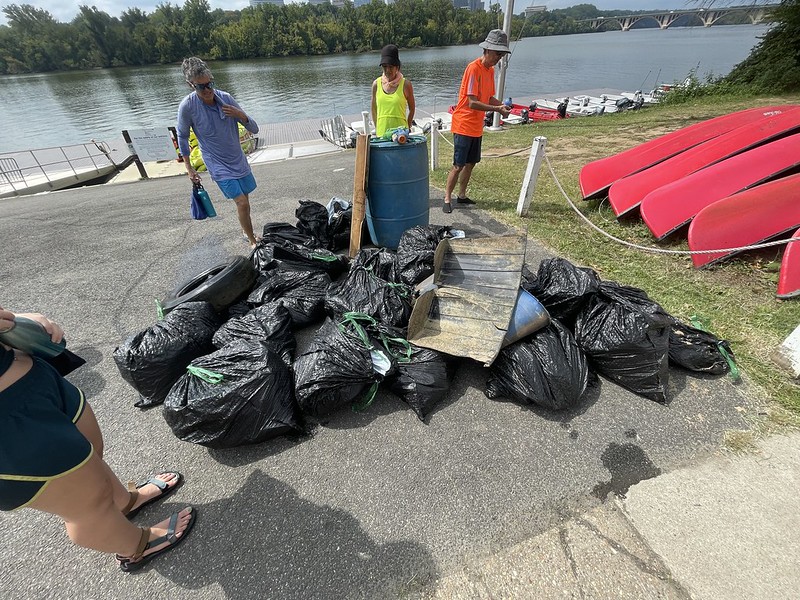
84, 500
452, 178
466, 173
243, 211
88, 426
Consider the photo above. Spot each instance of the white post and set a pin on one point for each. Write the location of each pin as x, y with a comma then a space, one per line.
531, 175
434, 146
504, 61
365, 117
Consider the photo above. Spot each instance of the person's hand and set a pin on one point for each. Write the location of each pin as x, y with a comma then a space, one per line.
193, 175
6, 320
51, 327
504, 110
234, 112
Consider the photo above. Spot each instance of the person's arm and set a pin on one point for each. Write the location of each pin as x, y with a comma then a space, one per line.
494, 105
184, 125
374, 106
408, 90
7, 319
234, 110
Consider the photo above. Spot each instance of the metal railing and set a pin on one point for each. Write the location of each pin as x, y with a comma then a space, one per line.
51, 168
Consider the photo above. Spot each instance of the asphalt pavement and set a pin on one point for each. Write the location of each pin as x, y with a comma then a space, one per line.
487, 500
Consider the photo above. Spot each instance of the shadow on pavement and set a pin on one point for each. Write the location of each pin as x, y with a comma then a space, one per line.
268, 542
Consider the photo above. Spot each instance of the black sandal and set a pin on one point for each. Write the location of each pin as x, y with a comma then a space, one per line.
129, 564
166, 490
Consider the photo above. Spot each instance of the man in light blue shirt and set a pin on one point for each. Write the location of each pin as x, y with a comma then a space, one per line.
214, 116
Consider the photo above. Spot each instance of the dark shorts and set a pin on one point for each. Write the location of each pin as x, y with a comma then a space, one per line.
467, 150
38, 437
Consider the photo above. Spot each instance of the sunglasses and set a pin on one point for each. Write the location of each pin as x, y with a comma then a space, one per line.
202, 86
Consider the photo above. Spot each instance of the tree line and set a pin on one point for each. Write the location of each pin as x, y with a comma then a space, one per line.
34, 41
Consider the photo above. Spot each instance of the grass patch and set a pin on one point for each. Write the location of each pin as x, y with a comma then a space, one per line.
737, 299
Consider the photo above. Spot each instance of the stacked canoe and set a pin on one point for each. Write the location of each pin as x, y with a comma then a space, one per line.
734, 180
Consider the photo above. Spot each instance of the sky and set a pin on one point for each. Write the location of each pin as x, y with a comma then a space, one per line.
65, 10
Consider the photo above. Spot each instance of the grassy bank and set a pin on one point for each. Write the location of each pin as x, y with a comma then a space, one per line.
737, 299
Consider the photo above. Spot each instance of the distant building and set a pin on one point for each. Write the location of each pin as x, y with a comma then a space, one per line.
257, 2
531, 10
468, 4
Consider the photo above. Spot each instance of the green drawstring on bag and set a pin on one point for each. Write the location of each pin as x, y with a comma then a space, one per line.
367, 400
205, 374
701, 323
159, 310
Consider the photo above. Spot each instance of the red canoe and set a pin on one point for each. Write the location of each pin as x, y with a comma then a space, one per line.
597, 176
626, 194
789, 282
750, 217
672, 206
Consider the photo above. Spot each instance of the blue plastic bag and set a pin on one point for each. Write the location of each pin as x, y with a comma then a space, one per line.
197, 210
204, 199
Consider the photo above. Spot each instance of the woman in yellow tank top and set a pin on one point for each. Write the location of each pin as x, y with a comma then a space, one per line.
393, 102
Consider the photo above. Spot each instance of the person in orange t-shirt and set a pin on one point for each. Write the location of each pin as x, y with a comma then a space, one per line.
475, 98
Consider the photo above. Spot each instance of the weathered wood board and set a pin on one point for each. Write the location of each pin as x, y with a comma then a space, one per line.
469, 310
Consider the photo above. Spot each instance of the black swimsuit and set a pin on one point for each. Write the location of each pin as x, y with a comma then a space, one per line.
38, 438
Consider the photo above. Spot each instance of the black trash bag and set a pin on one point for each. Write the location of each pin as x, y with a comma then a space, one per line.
625, 335
301, 292
312, 220
562, 288
291, 257
363, 292
697, 350
381, 261
421, 380
546, 368
336, 370
153, 359
270, 324
339, 227
252, 403
239, 309
277, 233
415, 252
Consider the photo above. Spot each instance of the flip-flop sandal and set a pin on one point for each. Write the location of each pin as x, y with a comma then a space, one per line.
166, 490
128, 565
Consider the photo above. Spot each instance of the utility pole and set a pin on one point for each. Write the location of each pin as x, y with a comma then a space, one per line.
504, 61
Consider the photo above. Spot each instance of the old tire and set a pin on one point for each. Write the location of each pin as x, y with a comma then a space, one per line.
221, 285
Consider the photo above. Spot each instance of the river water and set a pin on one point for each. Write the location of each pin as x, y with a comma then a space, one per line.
45, 110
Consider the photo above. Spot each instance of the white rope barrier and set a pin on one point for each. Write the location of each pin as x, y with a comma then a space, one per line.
651, 248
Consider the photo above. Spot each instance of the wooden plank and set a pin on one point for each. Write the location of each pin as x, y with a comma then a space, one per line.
469, 311
359, 193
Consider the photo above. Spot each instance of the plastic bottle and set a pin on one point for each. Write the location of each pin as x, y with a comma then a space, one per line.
30, 337
205, 200
400, 135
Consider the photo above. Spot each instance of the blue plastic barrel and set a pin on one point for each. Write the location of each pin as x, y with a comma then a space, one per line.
397, 189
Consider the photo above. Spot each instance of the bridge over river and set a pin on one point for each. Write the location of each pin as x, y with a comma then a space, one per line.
708, 16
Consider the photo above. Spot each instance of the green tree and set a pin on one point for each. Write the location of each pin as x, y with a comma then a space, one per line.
774, 64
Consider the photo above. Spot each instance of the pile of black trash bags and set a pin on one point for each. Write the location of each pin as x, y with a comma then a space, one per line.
611, 329
231, 378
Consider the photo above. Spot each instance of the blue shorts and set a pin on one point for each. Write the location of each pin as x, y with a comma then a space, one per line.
467, 150
39, 441
233, 188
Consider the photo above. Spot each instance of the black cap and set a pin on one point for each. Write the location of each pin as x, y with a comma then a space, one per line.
390, 55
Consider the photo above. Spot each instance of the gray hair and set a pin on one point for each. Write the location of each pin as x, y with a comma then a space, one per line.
194, 67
